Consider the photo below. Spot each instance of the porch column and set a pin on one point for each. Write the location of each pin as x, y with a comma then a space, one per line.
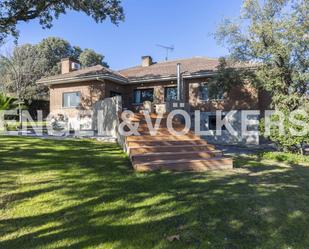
179, 85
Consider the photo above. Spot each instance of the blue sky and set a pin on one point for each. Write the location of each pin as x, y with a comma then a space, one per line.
187, 25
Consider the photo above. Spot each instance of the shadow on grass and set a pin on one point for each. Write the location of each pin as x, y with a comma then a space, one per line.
95, 200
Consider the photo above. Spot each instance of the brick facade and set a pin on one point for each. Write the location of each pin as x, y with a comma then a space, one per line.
238, 98
97, 83
91, 92
246, 97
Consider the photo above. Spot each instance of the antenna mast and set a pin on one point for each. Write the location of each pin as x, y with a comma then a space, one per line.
167, 49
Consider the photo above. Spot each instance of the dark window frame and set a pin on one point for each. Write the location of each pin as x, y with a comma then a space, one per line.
165, 93
212, 122
143, 100
201, 87
114, 93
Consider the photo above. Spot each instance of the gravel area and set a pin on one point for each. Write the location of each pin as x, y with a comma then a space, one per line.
236, 150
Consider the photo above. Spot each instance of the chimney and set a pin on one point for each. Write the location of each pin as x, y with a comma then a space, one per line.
68, 65
146, 61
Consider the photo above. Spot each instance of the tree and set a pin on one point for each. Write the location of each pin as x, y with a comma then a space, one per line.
2, 73
28, 63
89, 58
51, 50
274, 35
14, 11
230, 74
20, 73
20, 70
76, 52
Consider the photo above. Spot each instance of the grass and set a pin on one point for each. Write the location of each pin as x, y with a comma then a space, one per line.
14, 125
286, 157
84, 194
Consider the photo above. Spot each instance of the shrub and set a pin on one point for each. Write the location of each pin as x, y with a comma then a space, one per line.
287, 140
6, 103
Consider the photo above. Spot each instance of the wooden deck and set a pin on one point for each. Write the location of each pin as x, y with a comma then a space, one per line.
170, 152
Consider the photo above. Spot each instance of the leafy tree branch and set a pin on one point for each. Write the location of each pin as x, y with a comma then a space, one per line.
14, 11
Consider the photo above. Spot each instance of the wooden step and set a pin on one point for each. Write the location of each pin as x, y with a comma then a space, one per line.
152, 115
158, 132
186, 137
163, 122
151, 157
171, 152
153, 118
143, 125
143, 120
175, 148
146, 128
171, 143
199, 165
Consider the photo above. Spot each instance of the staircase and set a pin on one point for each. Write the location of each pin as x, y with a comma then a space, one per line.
170, 152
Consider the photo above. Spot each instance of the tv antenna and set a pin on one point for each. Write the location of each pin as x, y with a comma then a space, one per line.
167, 49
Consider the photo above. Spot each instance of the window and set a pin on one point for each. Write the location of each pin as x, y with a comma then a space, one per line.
170, 94
143, 95
210, 92
113, 94
212, 122
71, 99
204, 92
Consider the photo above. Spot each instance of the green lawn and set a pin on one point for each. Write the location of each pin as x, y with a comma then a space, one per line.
13, 125
83, 194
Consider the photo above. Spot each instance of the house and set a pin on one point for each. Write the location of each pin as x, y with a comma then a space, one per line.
79, 89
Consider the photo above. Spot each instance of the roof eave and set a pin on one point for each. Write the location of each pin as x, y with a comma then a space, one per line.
120, 80
82, 79
156, 79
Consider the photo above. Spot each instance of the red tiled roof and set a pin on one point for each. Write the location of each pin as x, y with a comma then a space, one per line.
85, 72
196, 66
191, 66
